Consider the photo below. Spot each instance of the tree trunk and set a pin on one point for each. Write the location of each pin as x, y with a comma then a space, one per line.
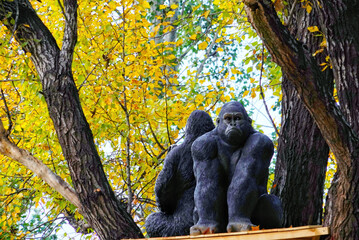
302, 151
102, 210
337, 122
340, 25
301, 163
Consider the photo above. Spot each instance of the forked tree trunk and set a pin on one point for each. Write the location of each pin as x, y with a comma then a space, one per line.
338, 123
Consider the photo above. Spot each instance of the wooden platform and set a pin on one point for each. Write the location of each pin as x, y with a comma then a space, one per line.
297, 233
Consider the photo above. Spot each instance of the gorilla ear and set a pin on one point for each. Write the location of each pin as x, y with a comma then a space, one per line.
250, 120
218, 120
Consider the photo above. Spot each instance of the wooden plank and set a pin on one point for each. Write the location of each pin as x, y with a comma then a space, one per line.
297, 233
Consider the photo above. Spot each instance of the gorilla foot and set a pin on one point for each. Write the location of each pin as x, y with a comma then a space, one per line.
239, 226
199, 229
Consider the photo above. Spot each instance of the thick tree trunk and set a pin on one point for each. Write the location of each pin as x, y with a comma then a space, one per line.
338, 128
301, 163
99, 205
302, 151
340, 24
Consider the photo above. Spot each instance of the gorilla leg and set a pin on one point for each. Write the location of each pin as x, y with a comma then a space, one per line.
248, 182
209, 197
242, 196
163, 225
178, 223
268, 212
155, 224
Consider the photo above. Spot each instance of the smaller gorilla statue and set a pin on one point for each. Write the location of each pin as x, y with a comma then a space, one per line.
231, 169
175, 184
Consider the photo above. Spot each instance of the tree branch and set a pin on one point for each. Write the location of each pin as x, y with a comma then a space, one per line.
7, 113
262, 94
70, 33
25, 158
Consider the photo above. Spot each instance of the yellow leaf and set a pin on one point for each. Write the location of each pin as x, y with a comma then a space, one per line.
146, 4
219, 39
318, 51
171, 57
308, 8
193, 37
179, 42
206, 13
162, 7
219, 49
174, 6
170, 14
196, 7
253, 94
313, 29
245, 93
28, 54
131, 58
323, 43
202, 45
325, 68
216, 2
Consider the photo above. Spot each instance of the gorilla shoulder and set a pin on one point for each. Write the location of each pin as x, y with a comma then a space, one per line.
259, 142
205, 147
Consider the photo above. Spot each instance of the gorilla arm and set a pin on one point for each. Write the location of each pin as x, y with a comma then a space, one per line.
249, 181
166, 188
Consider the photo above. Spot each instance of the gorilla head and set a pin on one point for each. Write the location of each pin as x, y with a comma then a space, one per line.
234, 124
198, 123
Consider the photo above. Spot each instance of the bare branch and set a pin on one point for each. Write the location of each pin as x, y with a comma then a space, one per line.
70, 33
207, 56
262, 94
7, 113
16, 21
155, 137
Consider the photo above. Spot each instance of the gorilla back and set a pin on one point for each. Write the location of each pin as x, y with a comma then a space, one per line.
176, 183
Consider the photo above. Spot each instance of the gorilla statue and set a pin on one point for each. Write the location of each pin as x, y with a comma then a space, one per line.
231, 169
175, 184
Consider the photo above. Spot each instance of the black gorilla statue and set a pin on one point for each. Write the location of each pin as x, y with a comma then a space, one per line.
231, 170
175, 184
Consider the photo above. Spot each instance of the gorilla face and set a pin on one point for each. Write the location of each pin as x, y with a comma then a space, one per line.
234, 125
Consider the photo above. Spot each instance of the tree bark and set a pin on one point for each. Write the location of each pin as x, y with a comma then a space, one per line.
99, 205
336, 127
302, 151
